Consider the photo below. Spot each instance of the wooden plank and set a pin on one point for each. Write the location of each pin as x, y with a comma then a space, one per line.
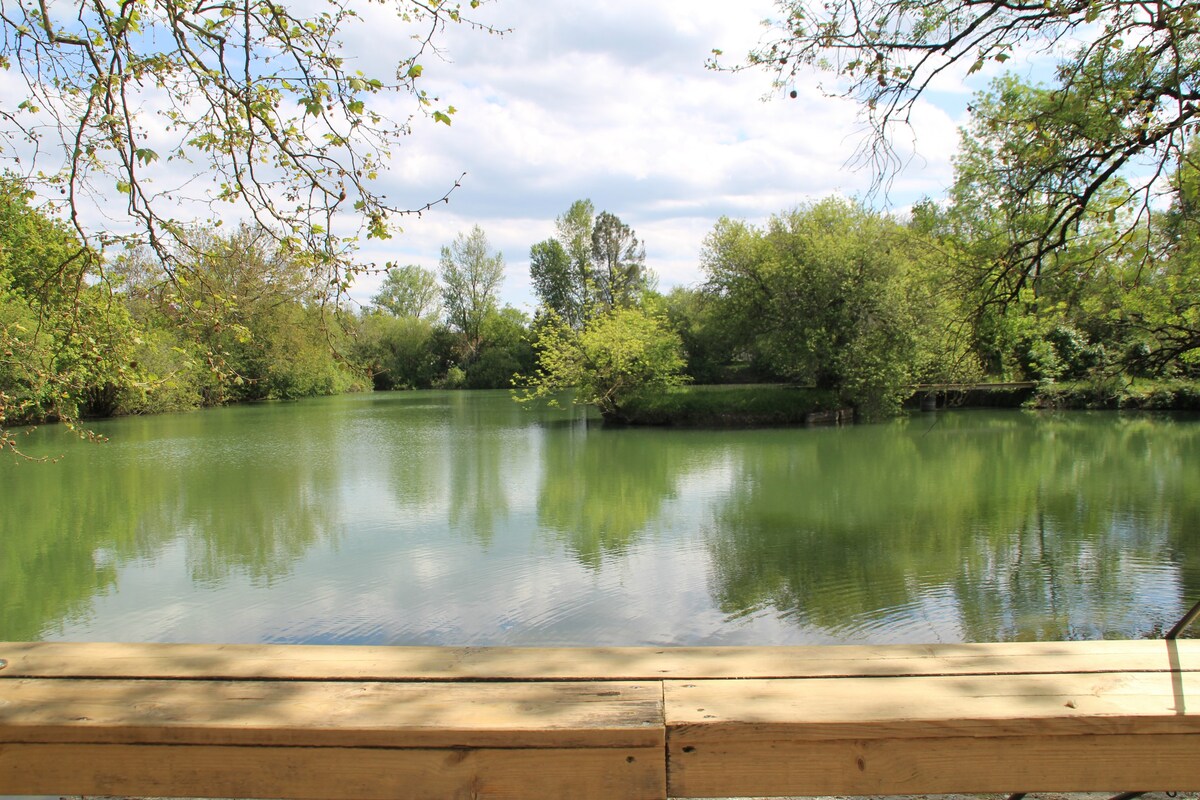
933, 707
560, 715
317, 662
933, 766
331, 773
312, 721
929, 735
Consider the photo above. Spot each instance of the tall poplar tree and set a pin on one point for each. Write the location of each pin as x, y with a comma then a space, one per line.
471, 275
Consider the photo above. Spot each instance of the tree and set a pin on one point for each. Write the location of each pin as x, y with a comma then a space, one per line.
251, 313
696, 316
618, 262
471, 275
561, 268
1002, 201
827, 295
574, 231
65, 345
1155, 312
507, 350
261, 99
409, 291
595, 263
1126, 93
396, 351
551, 275
621, 351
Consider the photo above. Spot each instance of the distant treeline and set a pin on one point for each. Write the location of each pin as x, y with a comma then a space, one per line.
833, 295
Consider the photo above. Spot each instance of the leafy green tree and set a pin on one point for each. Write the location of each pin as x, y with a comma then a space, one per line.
829, 295
560, 269
42, 258
707, 341
593, 264
252, 310
471, 275
397, 352
409, 291
618, 262
620, 352
1010, 190
1124, 96
552, 277
66, 345
574, 231
507, 350
1037, 312
1153, 311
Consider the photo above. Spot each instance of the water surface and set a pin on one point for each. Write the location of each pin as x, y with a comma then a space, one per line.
460, 518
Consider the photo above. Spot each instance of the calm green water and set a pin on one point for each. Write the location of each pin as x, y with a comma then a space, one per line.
459, 518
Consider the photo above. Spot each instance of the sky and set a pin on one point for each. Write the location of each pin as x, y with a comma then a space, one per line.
611, 101
608, 101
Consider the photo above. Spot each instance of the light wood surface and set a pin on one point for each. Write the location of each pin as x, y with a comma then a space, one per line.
315, 714
933, 707
319, 662
366, 722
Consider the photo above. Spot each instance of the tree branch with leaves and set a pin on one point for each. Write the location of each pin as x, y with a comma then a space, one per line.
1122, 106
258, 101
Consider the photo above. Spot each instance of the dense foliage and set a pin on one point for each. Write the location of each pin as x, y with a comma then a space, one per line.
833, 296
594, 264
1118, 115
620, 352
856, 305
96, 341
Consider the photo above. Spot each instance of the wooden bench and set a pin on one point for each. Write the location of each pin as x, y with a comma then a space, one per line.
409, 722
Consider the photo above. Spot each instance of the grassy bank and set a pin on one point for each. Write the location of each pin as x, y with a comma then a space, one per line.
728, 406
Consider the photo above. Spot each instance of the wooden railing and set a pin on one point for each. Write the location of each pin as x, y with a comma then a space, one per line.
408, 722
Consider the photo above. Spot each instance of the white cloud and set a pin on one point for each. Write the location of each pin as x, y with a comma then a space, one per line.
612, 102
609, 101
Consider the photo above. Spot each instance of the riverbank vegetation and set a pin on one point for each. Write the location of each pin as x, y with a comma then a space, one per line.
731, 406
855, 305
851, 304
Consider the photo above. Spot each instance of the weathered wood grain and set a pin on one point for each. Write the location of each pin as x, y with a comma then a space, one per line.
1061, 732
737, 768
332, 773
365, 722
311, 714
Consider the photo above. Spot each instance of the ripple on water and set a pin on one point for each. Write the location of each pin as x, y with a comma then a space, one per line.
843, 613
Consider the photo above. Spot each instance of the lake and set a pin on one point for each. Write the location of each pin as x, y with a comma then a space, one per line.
460, 518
